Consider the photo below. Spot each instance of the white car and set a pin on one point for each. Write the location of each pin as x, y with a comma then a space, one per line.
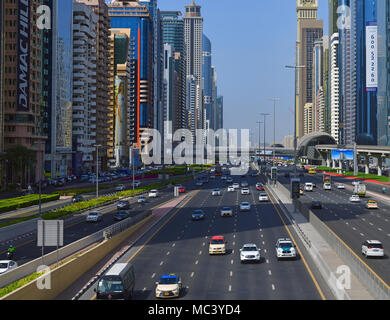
236, 186
340, 186
153, 193
217, 245
285, 248
226, 211
373, 248
308, 186
216, 192
7, 265
169, 286
231, 189
245, 206
120, 187
327, 186
354, 198
245, 191
249, 252
354, 183
244, 184
94, 216
263, 197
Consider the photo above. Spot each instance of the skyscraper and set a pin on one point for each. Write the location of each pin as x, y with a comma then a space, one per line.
137, 18
193, 36
309, 30
173, 34
100, 8
334, 77
22, 91
1, 83
208, 82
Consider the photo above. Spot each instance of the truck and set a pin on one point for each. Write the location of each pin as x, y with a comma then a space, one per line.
360, 189
326, 178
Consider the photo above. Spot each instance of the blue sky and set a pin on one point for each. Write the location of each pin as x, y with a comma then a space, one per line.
252, 41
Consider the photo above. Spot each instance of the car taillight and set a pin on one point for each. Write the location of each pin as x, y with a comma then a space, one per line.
369, 248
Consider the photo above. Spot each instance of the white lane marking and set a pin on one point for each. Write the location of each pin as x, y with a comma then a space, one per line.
269, 272
200, 252
153, 275
231, 262
354, 228
144, 289
161, 263
265, 250
379, 229
168, 253
192, 274
267, 261
273, 287
173, 245
230, 287
362, 234
231, 273
196, 262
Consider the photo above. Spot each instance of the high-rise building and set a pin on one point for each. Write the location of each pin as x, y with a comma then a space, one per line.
101, 50
366, 71
173, 34
308, 118
136, 17
22, 88
1, 84
207, 75
214, 97
347, 65
121, 68
309, 30
219, 112
84, 87
334, 87
193, 36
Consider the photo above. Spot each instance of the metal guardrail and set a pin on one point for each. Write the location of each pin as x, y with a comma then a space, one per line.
377, 287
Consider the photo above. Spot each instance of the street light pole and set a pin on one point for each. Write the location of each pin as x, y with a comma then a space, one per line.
259, 123
274, 100
296, 67
264, 115
97, 169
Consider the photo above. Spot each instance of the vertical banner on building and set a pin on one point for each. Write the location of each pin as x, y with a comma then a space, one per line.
371, 56
120, 118
23, 81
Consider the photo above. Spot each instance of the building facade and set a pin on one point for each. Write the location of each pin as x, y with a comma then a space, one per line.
309, 30
136, 17
22, 89
334, 87
207, 75
193, 37
84, 87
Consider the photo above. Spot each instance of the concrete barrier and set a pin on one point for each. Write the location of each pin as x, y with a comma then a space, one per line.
68, 273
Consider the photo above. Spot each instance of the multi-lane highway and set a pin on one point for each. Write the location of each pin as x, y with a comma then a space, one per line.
352, 222
181, 247
77, 228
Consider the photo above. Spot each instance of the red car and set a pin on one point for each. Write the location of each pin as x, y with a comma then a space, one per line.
182, 189
259, 187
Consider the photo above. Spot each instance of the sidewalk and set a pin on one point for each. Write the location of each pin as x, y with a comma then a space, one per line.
326, 259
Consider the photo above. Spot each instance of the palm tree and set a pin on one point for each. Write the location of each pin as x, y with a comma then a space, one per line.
20, 159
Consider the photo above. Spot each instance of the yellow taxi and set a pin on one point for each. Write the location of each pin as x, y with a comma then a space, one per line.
372, 204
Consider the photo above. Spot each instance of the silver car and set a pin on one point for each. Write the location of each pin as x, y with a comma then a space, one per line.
226, 211
94, 216
245, 206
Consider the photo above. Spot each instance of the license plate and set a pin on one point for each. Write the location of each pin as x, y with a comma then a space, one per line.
166, 294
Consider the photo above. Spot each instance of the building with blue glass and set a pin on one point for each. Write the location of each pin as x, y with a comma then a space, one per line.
134, 16
208, 82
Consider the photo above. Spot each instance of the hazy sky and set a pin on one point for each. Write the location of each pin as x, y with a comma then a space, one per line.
252, 41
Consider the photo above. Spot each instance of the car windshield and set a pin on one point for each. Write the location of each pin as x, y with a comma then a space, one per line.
108, 286
168, 281
198, 212
123, 202
225, 208
121, 213
263, 194
245, 204
217, 241
3, 265
93, 214
285, 245
249, 249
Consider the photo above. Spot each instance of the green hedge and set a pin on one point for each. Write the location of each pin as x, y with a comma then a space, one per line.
18, 284
25, 201
74, 192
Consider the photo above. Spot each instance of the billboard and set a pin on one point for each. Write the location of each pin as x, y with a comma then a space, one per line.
23, 81
371, 56
342, 154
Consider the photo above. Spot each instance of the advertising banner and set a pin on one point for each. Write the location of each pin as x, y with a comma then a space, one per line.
371, 56
23, 81
342, 154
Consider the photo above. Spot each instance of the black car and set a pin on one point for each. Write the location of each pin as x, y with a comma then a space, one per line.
197, 215
316, 205
77, 198
121, 215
